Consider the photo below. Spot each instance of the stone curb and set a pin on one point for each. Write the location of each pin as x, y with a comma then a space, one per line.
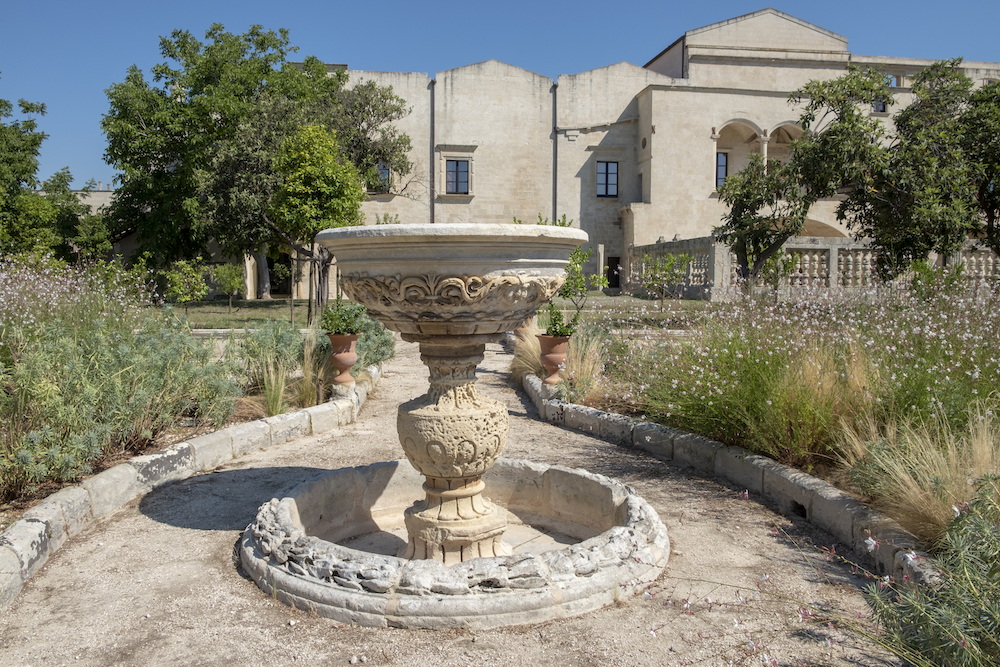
27, 543
795, 492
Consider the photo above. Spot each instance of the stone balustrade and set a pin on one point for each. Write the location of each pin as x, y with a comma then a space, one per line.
820, 262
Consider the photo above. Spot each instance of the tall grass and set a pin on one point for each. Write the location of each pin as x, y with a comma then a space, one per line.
269, 354
780, 378
922, 473
584, 361
957, 621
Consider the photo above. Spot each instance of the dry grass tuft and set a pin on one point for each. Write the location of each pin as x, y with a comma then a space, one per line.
920, 473
527, 353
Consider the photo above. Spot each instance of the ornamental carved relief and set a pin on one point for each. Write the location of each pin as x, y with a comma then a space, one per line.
453, 439
508, 298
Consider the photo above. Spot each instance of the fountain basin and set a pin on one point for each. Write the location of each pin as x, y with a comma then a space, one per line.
452, 279
294, 549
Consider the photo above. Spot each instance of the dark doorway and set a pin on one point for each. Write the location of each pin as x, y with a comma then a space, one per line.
614, 272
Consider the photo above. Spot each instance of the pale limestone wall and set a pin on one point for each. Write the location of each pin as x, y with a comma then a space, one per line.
767, 29
599, 119
663, 132
410, 200
499, 118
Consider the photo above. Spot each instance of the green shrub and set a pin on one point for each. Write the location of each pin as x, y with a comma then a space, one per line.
376, 345
343, 318
83, 375
957, 621
71, 399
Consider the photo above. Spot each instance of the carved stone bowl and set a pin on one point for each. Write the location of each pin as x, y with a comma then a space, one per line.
612, 545
452, 279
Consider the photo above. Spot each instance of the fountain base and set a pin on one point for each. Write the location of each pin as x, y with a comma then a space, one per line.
295, 549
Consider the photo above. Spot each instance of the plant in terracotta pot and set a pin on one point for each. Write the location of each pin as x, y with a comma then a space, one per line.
343, 323
555, 340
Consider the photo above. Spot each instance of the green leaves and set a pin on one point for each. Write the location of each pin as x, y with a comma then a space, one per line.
186, 281
320, 189
344, 318
766, 208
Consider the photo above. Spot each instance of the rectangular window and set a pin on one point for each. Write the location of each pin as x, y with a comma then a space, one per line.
384, 182
607, 179
880, 106
457, 177
721, 168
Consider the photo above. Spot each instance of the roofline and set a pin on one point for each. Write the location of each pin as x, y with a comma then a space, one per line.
769, 10
675, 42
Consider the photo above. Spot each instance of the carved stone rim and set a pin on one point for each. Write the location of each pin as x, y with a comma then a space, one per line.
357, 587
439, 230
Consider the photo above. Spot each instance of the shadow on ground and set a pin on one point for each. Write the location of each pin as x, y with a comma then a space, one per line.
223, 500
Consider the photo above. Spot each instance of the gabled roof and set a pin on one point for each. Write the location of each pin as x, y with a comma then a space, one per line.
768, 17
767, 29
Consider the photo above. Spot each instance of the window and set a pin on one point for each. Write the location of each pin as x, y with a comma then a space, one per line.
384, 182
880, 106
721, 168
457, 177
607, 179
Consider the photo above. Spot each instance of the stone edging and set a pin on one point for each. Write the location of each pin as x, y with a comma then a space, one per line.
27, 543
854, 524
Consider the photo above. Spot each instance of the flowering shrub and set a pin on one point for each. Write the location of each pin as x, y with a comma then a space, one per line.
780, 378
85, 373
39, 291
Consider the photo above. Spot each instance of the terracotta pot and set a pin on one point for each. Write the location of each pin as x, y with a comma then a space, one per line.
344, 355
553, 355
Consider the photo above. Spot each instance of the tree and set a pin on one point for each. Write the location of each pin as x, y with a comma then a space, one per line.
919, 194
198, 147
320, 189
186, 282
841, 144
766, 208
981, 142
20, 143
664, 275
228, 279
82, 235
25, 220
160, 135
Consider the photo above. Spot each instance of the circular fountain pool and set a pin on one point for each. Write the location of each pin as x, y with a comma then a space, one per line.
580, 541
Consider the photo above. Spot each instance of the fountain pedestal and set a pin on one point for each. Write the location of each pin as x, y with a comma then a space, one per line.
452, 435
452, 289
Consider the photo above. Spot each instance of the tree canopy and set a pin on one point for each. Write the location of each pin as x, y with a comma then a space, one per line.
925, 184
38, 222
197, 146
918, 194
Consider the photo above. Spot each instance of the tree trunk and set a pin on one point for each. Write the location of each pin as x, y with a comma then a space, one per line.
291, 290
263, 274
324, 259
311, 314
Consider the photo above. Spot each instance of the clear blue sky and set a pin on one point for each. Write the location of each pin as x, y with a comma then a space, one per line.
66, 53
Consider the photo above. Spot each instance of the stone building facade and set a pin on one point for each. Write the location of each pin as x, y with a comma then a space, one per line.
632, 154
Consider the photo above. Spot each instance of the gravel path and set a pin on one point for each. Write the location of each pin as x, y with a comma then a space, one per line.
155, 583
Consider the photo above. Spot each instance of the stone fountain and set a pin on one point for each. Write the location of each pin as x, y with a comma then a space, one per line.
453, 289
